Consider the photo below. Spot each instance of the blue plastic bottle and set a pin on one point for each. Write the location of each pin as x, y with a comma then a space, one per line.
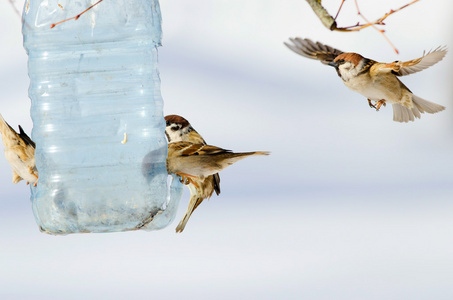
97, 116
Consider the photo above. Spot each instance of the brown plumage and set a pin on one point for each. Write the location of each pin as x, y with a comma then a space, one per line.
355, 58
20, 153
376, 81
179, 130
200, 189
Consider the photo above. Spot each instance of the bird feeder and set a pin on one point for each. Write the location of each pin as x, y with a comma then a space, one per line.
97, 116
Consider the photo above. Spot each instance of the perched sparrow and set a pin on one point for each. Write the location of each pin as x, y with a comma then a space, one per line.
20, 153
376, 81
179, 129
195, 162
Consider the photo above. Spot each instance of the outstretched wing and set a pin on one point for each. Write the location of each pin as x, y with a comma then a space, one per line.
418, 64
310, 49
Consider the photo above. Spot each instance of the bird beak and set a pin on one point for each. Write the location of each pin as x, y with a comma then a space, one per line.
333, 64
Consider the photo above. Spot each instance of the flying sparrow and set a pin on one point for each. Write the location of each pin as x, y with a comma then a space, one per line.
196, 162
376, 81
179, 129
20, 153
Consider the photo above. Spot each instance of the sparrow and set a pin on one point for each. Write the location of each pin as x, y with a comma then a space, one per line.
20, 153
178, 129
376, 81
196, 162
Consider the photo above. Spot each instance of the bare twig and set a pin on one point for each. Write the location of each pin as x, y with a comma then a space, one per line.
331, 24
393, 11
15, 8
338, 12
18, 13
378, 22
76, 17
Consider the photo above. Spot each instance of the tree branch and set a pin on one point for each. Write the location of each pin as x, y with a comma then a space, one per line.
330, 22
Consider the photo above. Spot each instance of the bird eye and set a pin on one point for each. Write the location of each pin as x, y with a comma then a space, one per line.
175, 128
341, 61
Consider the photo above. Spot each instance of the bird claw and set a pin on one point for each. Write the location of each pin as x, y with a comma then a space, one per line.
377, 105
186, 179
371, 104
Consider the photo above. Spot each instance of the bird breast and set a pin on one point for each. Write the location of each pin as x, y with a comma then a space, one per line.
382, 87
22, 168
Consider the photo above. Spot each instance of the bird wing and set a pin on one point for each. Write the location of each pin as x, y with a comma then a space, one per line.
189, 149
421, 63
216, 180
310, 49
202, 160
27, 140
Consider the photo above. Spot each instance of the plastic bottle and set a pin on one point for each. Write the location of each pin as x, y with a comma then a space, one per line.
97, 116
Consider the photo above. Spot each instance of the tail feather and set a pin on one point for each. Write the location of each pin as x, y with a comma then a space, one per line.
416, 112
195, 199
188, 213
404, 114
182, 223
426, 106
231, 158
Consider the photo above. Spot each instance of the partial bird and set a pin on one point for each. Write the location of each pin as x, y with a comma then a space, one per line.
20, 153
376, 81
178, 129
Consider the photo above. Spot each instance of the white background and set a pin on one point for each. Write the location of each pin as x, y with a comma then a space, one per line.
350, 205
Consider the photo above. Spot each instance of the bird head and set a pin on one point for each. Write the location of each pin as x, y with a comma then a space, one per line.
178, 129
348, 65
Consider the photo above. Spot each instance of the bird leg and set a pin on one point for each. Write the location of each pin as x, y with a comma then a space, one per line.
36, 182
379, 104
187, 179
184, 180
371, 104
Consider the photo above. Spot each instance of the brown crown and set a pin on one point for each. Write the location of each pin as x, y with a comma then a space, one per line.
352, 57
177, 120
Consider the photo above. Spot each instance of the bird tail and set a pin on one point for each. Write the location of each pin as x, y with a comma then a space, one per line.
189, 211
234, 157
230, 158
404, 114
426, 106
